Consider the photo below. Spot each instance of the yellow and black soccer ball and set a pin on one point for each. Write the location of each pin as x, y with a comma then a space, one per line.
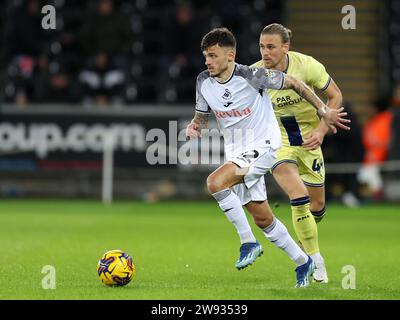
116, 268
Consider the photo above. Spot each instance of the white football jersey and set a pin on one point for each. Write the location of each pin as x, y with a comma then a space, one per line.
242, 107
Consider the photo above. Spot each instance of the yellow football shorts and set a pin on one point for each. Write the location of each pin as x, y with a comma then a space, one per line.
309, 162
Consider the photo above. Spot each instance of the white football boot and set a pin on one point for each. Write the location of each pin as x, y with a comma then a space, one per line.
320, 274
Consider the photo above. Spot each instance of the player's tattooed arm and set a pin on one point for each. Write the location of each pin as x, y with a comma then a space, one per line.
333, 118
304, 91
199, 122
201, 119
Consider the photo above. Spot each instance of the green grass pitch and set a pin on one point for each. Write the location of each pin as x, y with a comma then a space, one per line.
186, 250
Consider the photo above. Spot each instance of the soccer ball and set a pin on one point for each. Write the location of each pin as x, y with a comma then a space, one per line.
116, 268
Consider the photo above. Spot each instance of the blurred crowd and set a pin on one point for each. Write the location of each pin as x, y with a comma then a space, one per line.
115, 52
373, 143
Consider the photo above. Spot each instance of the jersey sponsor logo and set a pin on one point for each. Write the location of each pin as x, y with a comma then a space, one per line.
227, 104
233, 113
286, 101
227, 95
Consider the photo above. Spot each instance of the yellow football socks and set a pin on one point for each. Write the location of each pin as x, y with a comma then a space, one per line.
304, 224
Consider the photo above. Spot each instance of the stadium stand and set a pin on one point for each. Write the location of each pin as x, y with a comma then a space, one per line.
154, 45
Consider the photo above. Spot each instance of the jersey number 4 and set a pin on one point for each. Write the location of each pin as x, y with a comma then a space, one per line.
316, 166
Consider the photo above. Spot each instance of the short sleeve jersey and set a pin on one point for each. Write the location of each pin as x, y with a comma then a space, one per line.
242, 107
296, 116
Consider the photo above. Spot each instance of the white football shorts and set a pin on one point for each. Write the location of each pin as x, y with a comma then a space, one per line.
259, 162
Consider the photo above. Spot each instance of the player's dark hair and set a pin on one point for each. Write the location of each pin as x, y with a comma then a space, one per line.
221, 36
276, 28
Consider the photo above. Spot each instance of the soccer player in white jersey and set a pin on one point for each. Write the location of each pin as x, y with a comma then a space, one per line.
236, 94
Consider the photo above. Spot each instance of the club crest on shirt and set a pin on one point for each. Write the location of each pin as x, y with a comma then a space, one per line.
227, 95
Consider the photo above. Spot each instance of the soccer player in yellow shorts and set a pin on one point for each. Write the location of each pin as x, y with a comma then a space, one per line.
299, 168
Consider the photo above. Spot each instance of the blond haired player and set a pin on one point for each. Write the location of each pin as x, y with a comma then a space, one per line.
299, 169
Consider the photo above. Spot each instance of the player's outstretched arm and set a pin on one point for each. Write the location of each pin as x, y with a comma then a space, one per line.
333, 117
334, 101
199, 122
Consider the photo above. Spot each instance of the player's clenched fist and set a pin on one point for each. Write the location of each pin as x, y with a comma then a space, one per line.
192, 131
